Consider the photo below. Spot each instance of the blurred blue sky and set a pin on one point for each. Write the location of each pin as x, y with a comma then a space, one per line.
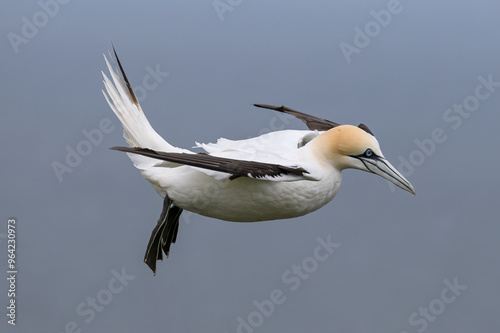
82, 236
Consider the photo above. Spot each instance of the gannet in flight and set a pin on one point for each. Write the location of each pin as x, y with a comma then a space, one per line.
278, 175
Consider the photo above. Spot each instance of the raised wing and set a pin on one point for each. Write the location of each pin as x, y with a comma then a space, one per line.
237, 168
276, 143
312, 122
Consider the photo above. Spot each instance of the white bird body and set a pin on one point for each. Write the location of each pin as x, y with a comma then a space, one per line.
214, 194
244, 199
278, 175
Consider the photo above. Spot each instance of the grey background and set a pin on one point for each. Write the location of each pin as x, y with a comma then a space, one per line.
396, 249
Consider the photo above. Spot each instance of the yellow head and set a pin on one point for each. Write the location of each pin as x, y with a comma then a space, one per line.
348, 146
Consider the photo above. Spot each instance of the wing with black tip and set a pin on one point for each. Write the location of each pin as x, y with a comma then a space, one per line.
237, 168
312, 122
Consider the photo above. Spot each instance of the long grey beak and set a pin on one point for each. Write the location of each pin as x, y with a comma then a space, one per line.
383, 168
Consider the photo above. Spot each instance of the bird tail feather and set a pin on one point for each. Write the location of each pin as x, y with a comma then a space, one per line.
137, 130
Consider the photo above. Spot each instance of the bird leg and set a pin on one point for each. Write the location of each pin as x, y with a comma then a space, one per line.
164, 234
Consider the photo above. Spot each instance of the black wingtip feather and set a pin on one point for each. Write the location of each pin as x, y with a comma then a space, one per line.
365, 128
129, 86
312, 122
237, 168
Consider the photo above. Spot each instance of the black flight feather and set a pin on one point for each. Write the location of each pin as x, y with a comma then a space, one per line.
312, 122
237, 168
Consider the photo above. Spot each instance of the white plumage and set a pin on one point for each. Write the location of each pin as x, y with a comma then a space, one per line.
287, 173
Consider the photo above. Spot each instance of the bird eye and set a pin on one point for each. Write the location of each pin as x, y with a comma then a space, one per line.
369, 152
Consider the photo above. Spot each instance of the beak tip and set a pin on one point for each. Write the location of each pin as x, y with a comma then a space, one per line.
387, 171
412, 190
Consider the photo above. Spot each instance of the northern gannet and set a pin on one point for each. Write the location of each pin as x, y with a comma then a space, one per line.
278, 175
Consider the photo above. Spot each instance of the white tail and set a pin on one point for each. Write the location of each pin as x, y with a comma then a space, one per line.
137, 130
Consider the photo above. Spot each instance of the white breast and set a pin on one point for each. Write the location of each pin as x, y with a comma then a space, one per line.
243, 199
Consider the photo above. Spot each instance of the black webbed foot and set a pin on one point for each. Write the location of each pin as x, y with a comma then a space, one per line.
164, 234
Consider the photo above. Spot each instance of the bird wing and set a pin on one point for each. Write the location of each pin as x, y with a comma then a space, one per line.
312, 122
137, 130
260, 148
278, 148
235, 168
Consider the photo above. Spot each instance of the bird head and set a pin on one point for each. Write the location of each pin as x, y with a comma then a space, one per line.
348, 146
